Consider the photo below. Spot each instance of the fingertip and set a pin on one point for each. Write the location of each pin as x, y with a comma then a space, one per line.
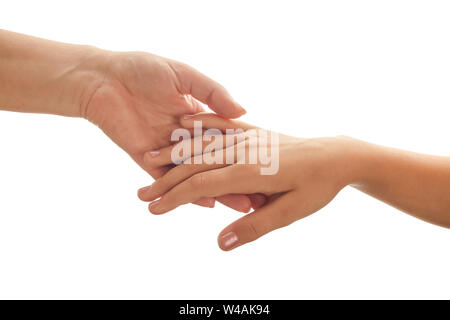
206, 202
231, 110
155, 208
224, 104
236, 202
228, 240
151, 156
142, 191
246, 207
240, 110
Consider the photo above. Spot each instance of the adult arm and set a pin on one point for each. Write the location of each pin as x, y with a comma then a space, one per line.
311, 172
134, 97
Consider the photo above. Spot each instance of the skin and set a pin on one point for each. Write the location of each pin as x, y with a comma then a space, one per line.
136, 98
311, 173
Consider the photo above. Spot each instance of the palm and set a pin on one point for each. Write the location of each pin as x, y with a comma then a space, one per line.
138, 105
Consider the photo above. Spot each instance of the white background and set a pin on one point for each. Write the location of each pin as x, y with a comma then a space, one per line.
71, 225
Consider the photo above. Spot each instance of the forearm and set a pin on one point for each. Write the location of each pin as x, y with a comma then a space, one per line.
414, 183
43, 76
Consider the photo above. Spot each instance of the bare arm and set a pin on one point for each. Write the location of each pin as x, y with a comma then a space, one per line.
134, 97
311, 172
42, 76
414, 183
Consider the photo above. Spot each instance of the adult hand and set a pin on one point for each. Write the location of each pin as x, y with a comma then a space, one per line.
137, 99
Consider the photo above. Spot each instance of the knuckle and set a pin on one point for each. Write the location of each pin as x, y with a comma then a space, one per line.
253, 231
198, 181
158, 186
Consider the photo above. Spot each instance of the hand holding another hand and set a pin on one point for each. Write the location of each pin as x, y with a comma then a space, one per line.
136, 98
311, 172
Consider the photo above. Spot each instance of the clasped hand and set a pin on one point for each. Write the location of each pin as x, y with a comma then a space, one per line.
308, 177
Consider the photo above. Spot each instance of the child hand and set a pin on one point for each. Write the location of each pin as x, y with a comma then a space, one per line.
310, 174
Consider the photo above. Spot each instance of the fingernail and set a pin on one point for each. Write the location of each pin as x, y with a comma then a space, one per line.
154, 205
228, 240
211, 203
154, 153
188, 116
243, 111
141, 190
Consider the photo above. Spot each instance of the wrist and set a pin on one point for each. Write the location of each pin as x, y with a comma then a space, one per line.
336, 159
355, 161
90, 70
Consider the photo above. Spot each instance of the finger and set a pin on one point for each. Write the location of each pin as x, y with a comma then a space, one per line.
172, 178
241, 179
163, 156
161, 171
211, 120
258, 200
277, 214
238, 202
181, 151
158, 172
187, 169
193, 104
206, 90
205, 202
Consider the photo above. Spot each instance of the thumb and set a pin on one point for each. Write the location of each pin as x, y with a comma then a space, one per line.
276, 214
206, 90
